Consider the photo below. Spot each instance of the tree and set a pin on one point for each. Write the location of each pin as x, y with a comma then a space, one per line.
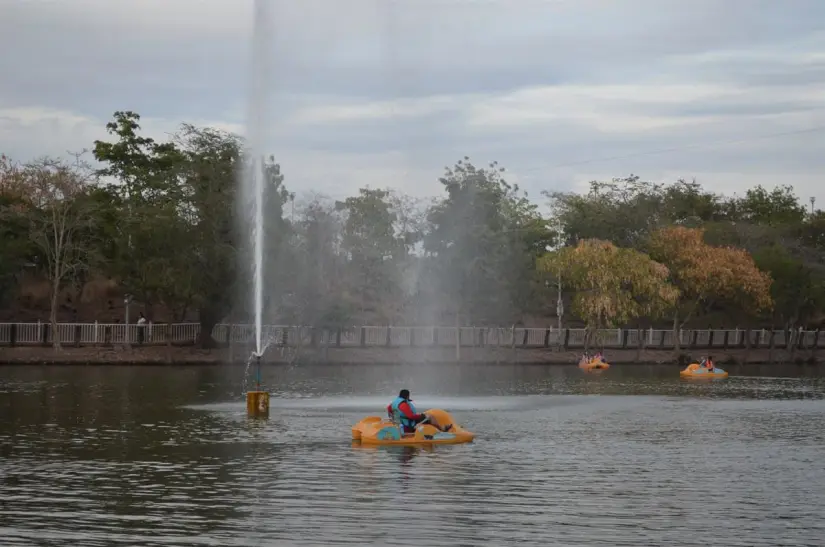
625, 211
613, 285
143, 221
622, 211
703, 273
318, 290
778, 207
180, 197
798, 290
16, 248
61, 219
369, 239
480, 240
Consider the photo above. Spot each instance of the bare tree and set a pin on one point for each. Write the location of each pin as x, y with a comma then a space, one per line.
61, 219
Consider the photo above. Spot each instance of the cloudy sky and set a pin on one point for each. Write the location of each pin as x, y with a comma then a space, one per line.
387, 93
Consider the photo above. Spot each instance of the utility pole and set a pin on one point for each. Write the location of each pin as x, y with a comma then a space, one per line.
559, 301
127, 299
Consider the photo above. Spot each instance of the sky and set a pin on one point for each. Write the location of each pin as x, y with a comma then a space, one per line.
388, 93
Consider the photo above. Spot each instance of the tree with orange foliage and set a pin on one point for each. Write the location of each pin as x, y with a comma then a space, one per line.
703, 273
613, 285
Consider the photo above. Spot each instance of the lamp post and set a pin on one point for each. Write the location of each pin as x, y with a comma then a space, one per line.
127, 299
559, 301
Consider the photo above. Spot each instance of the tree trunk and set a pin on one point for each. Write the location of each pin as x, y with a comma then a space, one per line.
513, 342
677, 343
208, 319
53, 314
639, 342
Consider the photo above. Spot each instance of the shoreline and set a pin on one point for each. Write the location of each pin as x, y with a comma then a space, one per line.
164, 355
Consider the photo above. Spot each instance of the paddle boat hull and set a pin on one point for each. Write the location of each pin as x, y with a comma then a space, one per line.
694, 370
593, 364
374, 430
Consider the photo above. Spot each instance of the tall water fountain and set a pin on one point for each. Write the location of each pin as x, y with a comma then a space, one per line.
253, 182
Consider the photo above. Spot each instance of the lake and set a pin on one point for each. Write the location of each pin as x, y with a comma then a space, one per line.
162, 456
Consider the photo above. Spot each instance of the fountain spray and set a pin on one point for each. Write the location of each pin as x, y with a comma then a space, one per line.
257, 402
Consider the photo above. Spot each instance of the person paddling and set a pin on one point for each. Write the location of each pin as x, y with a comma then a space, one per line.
402, 411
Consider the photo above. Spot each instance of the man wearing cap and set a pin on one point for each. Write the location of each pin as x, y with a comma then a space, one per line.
402, 411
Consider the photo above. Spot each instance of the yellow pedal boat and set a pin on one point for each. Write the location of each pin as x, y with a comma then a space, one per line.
695, 370
381, 431
593, 364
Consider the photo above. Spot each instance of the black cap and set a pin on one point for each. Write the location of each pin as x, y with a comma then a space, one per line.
404, 393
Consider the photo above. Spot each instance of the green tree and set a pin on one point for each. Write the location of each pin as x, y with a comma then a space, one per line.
480, 240
317, 293
16, 248
625, 211
369, 238
183, 241
798, 290
778, 207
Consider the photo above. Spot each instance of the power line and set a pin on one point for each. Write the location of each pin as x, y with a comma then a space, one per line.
680, 148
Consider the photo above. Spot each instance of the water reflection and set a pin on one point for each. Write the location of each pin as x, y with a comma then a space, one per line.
166, 456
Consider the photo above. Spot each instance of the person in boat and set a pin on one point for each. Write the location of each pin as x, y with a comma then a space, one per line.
402, 411
708, 363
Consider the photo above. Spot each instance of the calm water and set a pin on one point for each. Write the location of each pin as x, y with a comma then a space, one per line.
635, 456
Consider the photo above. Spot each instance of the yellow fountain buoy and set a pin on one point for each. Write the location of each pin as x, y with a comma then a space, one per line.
257, 402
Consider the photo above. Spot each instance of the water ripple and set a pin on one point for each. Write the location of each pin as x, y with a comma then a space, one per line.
96, 459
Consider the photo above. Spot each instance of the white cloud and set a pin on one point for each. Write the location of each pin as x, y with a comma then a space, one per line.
380, 93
